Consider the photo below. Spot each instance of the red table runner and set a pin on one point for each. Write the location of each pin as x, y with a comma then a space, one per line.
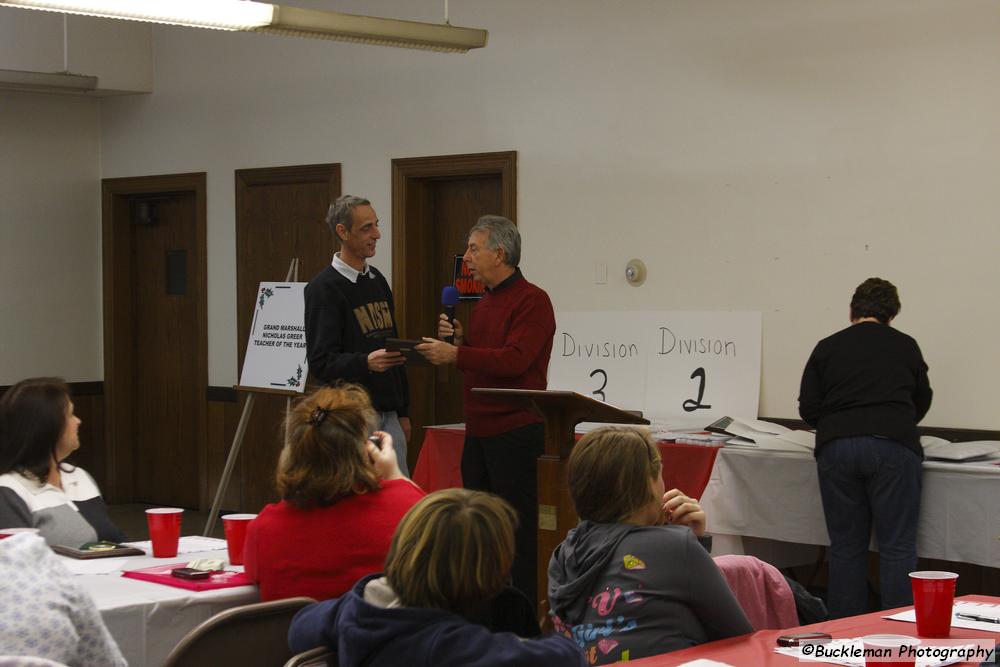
439, 466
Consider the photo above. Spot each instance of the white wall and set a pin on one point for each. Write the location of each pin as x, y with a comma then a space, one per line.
50, 197
50, 237
764, 155
118, 53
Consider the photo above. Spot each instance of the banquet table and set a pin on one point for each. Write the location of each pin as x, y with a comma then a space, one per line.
439, 465
148, 619
775, 495
757, 648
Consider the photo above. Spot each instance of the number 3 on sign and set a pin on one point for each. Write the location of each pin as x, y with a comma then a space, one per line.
599, 392
692, 405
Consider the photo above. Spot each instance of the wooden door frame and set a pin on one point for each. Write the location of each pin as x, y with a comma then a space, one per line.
119, 361
245, 179
310, 239
407, 170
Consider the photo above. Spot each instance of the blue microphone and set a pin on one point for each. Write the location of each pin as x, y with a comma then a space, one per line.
449, 299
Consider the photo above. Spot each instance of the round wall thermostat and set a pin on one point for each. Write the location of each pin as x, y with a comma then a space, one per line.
635, 272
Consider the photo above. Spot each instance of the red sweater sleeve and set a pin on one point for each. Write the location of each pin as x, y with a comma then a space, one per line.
532, 326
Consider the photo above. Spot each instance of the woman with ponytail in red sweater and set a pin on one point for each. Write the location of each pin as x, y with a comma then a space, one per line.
342, 497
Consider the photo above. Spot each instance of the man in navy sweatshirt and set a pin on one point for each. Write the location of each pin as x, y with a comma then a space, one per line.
350, 313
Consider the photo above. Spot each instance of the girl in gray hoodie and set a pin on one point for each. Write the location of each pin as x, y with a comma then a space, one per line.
632, 580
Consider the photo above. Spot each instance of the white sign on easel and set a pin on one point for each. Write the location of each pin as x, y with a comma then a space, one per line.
276, 350
665, 363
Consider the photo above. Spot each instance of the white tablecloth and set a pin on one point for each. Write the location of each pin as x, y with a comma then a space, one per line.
148, 620
775, 495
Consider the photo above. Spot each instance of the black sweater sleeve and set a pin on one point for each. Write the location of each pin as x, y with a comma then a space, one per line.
325, 324
810, 393
404, 381
922, 393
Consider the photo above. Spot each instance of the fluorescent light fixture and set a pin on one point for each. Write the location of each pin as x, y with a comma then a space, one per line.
217, 14
248, 16
43, 82
371, 30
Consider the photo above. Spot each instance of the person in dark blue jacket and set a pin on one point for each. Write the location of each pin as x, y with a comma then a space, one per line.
449, 560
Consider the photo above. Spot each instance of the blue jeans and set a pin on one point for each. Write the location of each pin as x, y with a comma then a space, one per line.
869, 481
389, 422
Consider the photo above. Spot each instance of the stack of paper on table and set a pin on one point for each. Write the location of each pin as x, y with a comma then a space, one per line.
982, 609
941, 450
99, 566
662, 428
684, 431
699, 438
763, 435
188, 544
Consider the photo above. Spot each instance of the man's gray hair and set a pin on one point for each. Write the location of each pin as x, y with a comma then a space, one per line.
500, 233
340, 212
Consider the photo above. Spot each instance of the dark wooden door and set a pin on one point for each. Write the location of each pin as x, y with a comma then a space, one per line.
164, 389
155, 339
435, 202
280, 214
455, 206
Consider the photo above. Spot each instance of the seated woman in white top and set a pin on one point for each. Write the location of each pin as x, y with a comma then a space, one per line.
38, 430
45, 613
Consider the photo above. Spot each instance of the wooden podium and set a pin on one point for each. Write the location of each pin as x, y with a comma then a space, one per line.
562, 411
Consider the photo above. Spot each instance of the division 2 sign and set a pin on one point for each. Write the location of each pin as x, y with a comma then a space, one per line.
666, 363
469, 289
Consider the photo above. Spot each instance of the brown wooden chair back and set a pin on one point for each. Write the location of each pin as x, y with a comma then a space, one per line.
320, 656
254, 634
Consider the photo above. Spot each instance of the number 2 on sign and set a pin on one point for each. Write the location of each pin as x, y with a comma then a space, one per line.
692, 405
599, 392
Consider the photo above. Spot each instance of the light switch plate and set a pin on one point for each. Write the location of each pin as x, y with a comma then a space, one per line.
600, 273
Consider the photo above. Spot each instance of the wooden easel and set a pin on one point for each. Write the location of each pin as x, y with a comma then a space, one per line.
241, 428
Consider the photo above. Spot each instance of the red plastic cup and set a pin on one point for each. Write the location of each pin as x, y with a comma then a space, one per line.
10, 532
236, 534
890, 650
933, 595
164, 530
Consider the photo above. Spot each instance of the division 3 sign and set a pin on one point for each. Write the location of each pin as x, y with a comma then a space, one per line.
665, 363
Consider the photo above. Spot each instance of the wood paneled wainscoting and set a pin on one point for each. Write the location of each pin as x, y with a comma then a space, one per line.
248, 490
223, 416
88, 404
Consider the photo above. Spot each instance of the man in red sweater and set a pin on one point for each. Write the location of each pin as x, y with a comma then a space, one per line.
507, 345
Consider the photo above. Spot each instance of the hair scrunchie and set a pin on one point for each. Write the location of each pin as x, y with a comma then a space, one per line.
318, 416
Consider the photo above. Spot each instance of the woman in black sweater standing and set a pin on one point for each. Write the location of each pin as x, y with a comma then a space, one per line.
864, 389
